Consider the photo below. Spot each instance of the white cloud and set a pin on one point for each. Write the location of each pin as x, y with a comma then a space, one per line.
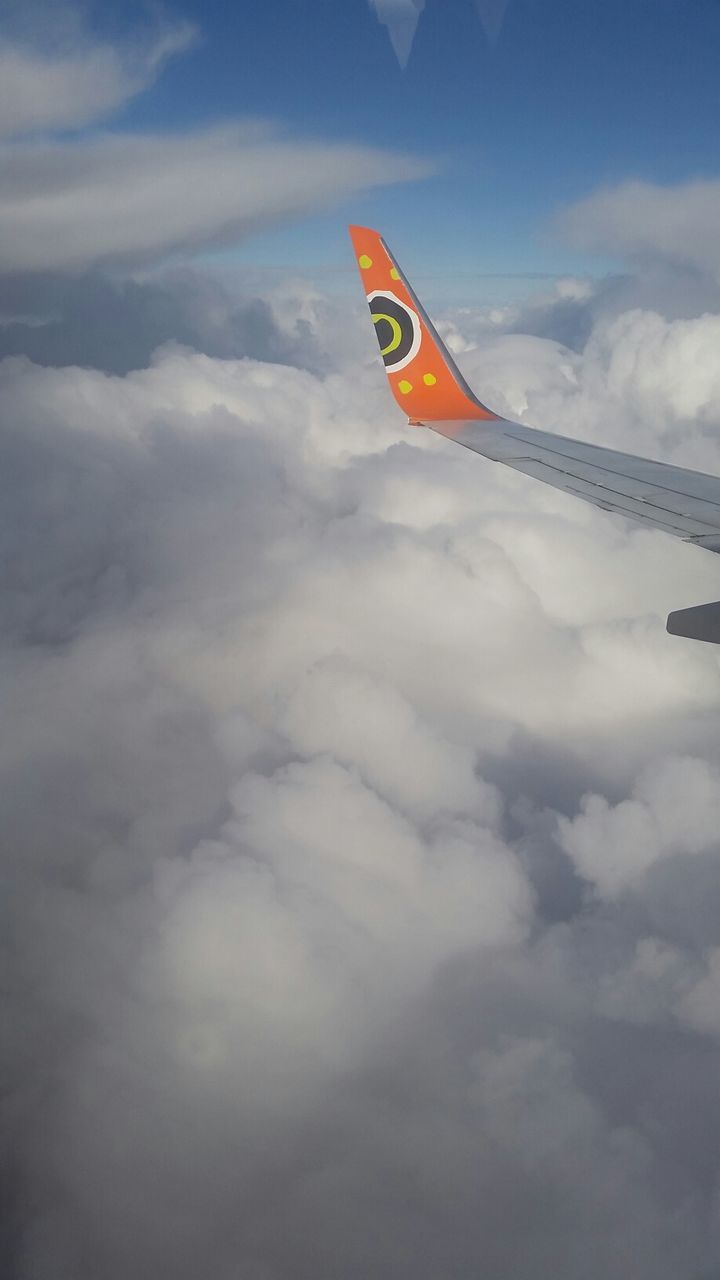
700, 1005
293, 699
77, 81
338, 709
675, 809
647, 221
70, 205
122, 198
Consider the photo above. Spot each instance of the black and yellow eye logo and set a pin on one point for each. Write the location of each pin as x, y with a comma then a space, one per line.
397, 329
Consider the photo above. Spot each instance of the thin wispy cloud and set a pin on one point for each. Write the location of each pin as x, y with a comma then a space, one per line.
70, 203
79, 82
137, 198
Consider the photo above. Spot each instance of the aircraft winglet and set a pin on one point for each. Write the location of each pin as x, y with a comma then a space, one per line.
423, 376
428, 385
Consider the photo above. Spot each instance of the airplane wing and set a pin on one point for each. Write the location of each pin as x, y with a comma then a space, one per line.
429, 387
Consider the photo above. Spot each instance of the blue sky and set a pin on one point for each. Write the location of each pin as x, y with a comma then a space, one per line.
574, 95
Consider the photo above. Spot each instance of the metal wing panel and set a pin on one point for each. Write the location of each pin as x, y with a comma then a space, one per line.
679, 501
610, 500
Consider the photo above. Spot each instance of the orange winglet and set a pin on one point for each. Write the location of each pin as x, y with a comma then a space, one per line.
423, 376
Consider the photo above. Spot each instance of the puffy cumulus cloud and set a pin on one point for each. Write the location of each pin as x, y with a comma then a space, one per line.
646, 221
639, 375
338, 709
57, 77
675, 809
358, 821
69, 205
115, 323
571, 309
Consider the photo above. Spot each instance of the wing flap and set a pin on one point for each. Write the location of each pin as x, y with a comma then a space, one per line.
605, 497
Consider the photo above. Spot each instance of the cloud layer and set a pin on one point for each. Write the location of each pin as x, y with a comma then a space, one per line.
116, 322
360, 821
649, 222
71, 204
135, 199
62, 79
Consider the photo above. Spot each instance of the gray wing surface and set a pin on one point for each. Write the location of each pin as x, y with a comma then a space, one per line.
679, 501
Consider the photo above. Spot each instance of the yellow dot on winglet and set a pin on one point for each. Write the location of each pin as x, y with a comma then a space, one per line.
429, 379
364, 261
394, 274
405, 387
